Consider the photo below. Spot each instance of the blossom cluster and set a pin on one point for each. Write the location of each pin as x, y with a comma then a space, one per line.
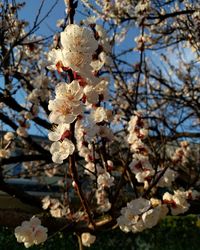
92, 168
177, 202
83, 93
78, 46
56, 208
140, 165
105, 181
140, 214
6, 150
182, 153
31, 232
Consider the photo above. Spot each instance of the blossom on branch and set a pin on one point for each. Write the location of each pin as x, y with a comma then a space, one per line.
77, 47
61, 150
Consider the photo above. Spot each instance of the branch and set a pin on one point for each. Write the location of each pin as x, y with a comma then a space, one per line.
20, 194
168, 15
14, 217
71, 10
5, 119
10, 102
74, 174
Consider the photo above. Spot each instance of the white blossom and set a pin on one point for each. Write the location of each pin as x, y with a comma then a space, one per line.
177, 201
61, 150
9, 136
31, 232
72, 91
21, 131
62, 111
151, 217
78, 46
103, 202
87, 239
139, 205
91, 94
5, 153
46, 202
90, 169
167, 179
56, 60
78, 39
100, 114
60, 132
105, 180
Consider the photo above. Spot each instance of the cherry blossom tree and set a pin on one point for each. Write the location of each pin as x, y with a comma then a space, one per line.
118, 95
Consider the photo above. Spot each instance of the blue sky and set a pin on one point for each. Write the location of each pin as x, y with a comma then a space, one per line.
48, 27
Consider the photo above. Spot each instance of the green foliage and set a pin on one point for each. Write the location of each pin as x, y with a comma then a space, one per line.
8, 241
173, 233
